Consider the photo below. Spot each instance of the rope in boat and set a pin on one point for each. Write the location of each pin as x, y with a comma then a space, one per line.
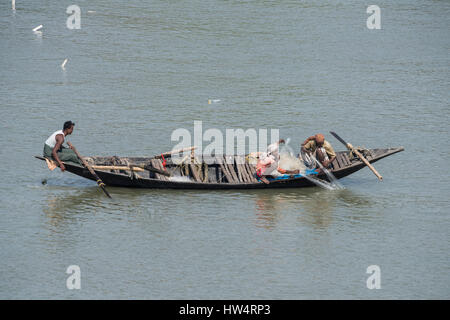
100, 183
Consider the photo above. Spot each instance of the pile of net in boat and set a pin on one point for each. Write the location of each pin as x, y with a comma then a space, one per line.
289, 162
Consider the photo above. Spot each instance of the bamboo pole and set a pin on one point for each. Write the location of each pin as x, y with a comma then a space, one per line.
367, 163
99, 181
131, 168
364, 160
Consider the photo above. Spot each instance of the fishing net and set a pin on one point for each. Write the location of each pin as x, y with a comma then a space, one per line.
308, 160
290, 163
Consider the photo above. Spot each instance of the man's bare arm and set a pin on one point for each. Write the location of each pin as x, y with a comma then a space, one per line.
303, 149
327, 162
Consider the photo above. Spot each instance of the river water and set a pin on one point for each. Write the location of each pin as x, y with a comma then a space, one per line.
139, 70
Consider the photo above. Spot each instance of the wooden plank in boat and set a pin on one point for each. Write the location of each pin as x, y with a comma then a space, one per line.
225, 172
241, 169
251, 178
194, 172
235, 169
250, 175
218, 170
247, 174
251, 171
230, 167
339, 160
335, 164
347, 160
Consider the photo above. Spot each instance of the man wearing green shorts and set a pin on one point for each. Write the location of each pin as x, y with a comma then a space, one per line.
54, 149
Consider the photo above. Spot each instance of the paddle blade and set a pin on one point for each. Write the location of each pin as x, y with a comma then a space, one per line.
339, 138
106, 192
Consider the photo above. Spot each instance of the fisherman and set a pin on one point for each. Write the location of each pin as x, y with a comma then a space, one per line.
54, 149
268, 161
321, 149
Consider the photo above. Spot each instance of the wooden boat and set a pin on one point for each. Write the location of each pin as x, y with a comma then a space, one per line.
210, 173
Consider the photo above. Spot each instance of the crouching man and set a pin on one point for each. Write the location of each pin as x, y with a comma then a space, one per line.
54, 149
321, 149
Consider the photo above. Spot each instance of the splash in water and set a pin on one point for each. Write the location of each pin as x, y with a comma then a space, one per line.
320, 183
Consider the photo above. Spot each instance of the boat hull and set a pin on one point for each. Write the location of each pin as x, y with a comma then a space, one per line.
341, 170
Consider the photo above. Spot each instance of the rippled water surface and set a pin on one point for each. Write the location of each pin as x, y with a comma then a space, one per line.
138, 70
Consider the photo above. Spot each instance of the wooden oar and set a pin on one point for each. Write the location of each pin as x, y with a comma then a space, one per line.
351, 148
99, 181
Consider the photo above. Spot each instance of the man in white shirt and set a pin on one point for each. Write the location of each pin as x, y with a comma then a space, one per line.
54, 149
268, 161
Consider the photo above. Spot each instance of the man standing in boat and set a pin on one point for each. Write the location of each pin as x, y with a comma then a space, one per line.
321, 149
54, 149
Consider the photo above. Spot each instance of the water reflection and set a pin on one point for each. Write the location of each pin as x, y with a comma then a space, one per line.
63, 208
315, 206
145, 208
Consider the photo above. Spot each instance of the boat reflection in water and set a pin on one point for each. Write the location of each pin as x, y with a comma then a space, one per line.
315, 206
